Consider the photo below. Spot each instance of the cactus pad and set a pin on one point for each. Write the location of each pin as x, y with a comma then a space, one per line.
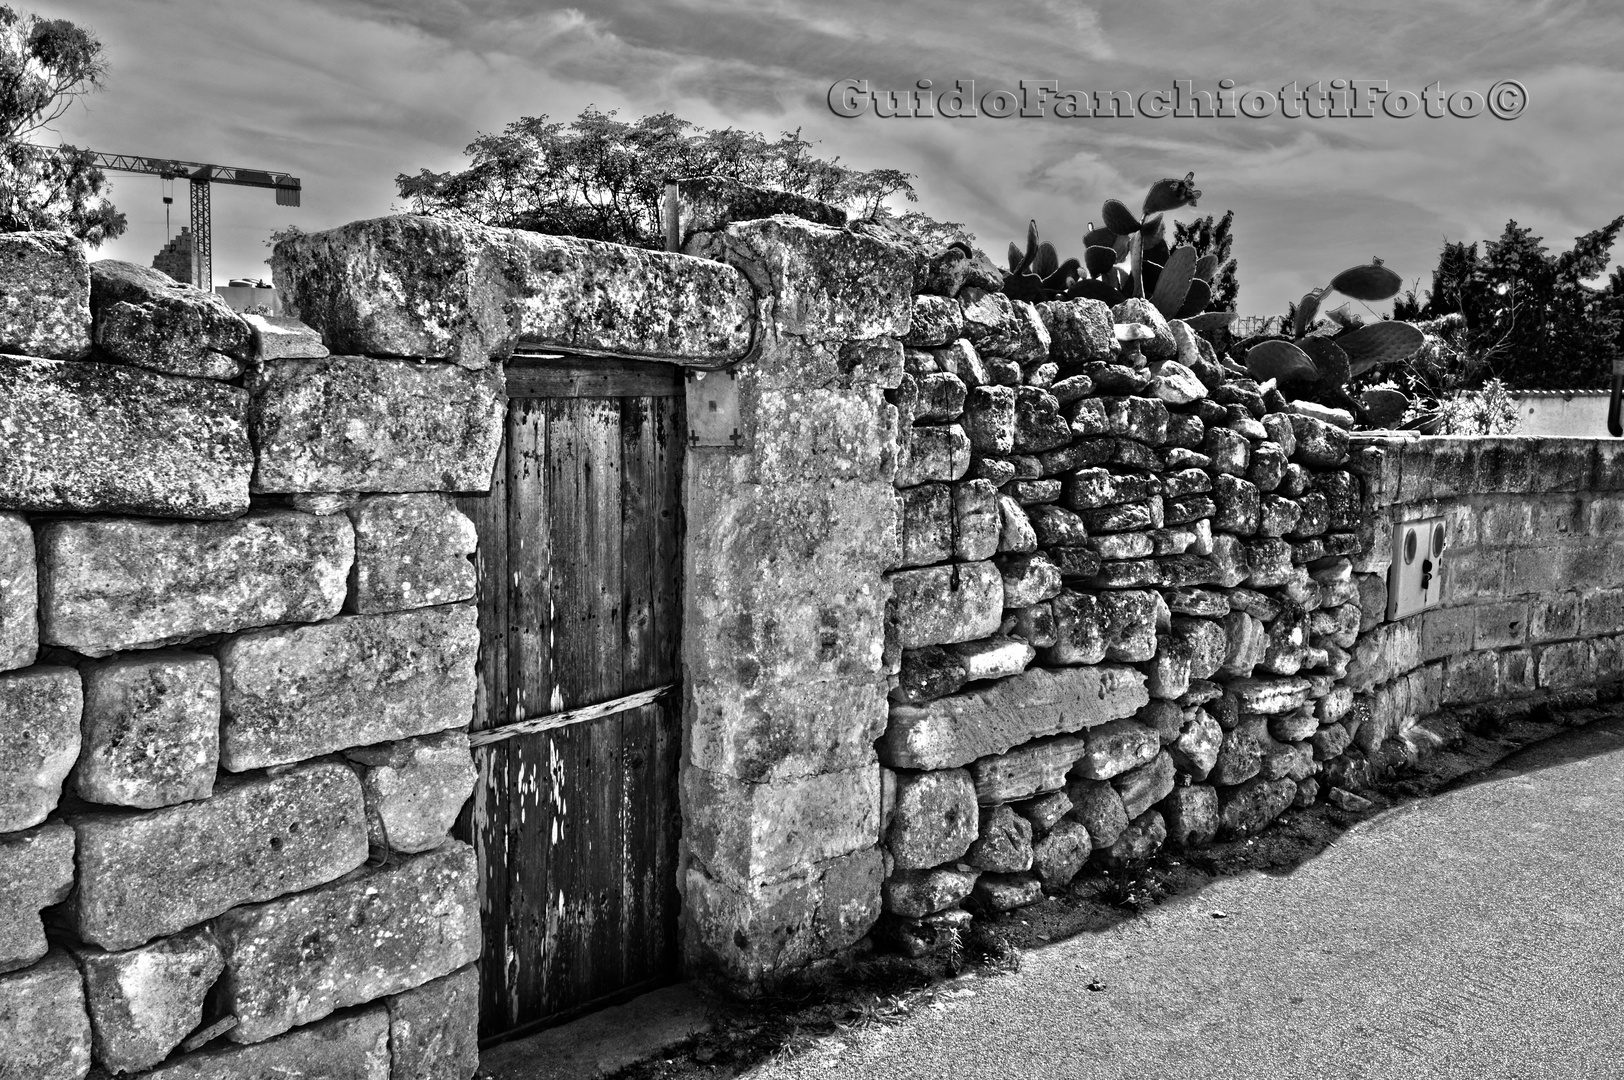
1282, 361
1369, 283
1170, 194
1047, 260
1379, 343
1173, 283
1119, 219
1099, 238
1307, 308
1384, 408
1099, 259
1196, 300
1329, 360
1208, 321
1206, 266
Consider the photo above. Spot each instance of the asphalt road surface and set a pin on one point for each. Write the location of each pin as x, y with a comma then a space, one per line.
1477, 934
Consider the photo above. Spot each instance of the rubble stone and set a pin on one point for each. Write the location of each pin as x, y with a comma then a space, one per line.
44, 1032
433, 1029
144, 1001
411, 551
19, 593
36, 871
40, 709
934, 820
1058, 857
44, 295
151, 730
354, 1046
1004, 843
144, 317
414, 789
944, 604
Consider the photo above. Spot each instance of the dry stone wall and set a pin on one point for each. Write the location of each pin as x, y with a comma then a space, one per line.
1124, 608
236, 672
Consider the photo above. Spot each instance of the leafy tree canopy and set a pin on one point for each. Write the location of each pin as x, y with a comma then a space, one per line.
1212, 235
604, 178
1530, 317
46, 65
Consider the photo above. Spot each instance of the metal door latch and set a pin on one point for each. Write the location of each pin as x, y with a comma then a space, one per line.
713, 408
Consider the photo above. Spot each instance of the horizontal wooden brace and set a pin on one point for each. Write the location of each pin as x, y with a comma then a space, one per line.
565, 719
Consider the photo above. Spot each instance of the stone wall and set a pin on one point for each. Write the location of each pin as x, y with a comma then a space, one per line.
1123, 606
1532, 599
236, 671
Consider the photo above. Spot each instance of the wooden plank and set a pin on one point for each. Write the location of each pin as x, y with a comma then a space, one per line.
532, 725
585, 469
482, 822
569, 377
528, 816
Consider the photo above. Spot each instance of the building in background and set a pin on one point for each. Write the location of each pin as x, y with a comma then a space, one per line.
176, 257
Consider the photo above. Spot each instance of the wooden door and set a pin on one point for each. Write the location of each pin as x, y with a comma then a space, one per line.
576, 827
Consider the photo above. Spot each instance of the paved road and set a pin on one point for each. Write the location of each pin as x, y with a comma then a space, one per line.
1476, 934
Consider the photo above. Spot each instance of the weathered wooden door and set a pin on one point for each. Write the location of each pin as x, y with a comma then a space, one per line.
576, 826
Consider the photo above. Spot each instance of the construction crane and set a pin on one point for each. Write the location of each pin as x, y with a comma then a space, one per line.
201, 176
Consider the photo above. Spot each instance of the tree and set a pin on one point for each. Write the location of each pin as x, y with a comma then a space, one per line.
604, 178
1212, 236
46, 65
1530, 317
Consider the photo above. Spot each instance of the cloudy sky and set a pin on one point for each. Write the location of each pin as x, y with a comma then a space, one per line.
346, 94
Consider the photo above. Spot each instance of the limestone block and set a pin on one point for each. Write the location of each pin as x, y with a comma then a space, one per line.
290, 693
1191, 814
989, 419
1128, 624
349, 423
1006, 892
1004, 843
818, 433
1038, 423
36, 871
1319, 445
44, 295
1017, 536
935, 818
1248, 808
417, 286
767, 928
279, 337
411, 551
976, 520
746, 833
434, 1029
144, 317
414, 789
110, 583
1079, 330
1038, 766
1270, 696
1058, 857
1028, 579
941, 396
932, 453
1146, 785
1161, 345
19, 588
1198, 744
917, 893
937, 320
154, 873
939, 605
825, 283
1116, 747
105, 438
144, 1001
296, 959
44, 1032
999, 326
996, 657
927, 524
39, 741
151, 730
994, 718
1143, 837
1098, 807
350, 1047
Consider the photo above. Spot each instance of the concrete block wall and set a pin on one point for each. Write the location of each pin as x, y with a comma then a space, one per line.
236, 671
1123, 607
1532, 598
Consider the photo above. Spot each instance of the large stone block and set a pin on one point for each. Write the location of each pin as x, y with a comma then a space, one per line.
19, 593
824, 283
939, 605
44, 1032
145, 317
434, 1029
411, 551
145, 875
151, 730
144, 1001
39, 741
44, 295
758, 727
765, 928
36, 871
1035, 767
414, 789
349, 423
747, 833
109, 584
992, 719
290, 693
934, 820
105, 438
350, 1047
418, 286
296, 959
